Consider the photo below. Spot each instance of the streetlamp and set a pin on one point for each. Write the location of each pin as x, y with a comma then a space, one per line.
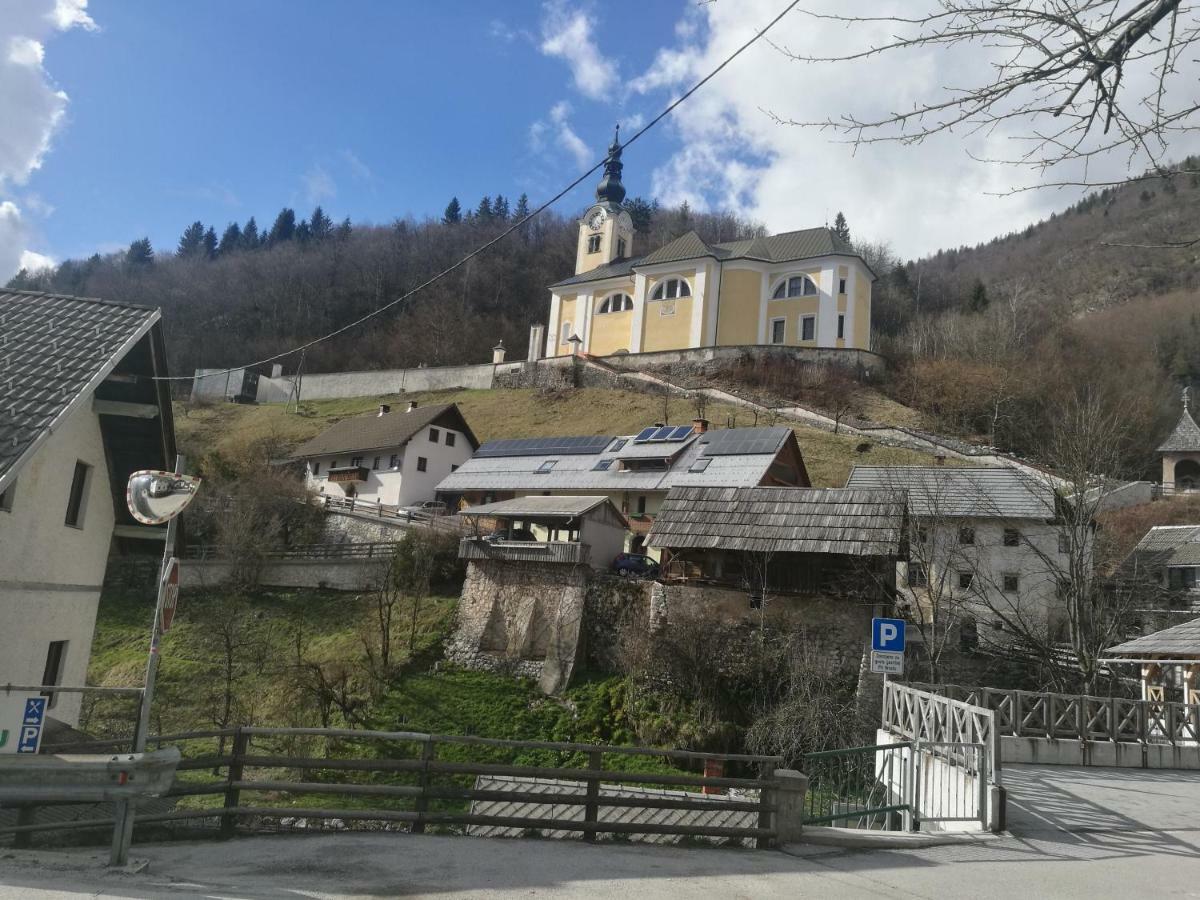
153, 498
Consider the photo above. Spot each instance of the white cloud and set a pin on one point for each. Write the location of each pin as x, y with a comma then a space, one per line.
357, 167
567, 35
556, 128
32, 109
502, 31
318, 185
731, 153
32, 261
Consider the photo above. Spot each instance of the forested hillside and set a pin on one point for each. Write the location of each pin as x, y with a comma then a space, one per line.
251, 293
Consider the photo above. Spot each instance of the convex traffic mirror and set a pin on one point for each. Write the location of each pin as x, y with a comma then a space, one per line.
155, 497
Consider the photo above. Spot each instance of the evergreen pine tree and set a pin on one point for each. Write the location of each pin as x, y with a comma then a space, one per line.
979, 297
303, 232
320, 226
453, 213
500, 208
841, 228
484, 212
522, 209
344, 230
210, 243
284, 228
251, 239
140, 254
231, 239
191, 242
642, 212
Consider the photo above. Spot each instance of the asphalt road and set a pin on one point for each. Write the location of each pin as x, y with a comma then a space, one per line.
1069, 839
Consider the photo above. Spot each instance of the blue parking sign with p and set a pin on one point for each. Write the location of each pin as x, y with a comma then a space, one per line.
887, 635
30, 733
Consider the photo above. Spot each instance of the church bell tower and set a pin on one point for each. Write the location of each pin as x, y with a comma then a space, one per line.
606, 229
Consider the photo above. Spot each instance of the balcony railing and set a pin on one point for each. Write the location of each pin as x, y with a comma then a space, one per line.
346, 474
524, 551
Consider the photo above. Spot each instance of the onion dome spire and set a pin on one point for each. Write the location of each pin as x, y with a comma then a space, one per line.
610, 189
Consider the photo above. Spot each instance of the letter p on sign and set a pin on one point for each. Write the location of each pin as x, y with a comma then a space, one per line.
887, 635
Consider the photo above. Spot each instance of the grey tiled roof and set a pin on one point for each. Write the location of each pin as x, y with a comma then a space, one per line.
952, 492
781, 520
555, 505
1185, 437
577, 472
787, 247
1177, 641
53, 349
375, 432
1168, 545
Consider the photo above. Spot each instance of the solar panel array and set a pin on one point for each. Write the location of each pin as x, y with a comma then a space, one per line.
546, 446
738, 441
665, 433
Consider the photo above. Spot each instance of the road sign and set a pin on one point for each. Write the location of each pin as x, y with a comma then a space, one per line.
887, 635
884, 662
21, 717
170, 593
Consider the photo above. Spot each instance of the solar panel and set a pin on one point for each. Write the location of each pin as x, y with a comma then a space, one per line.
645, 434
603, 465
680, 432
618, 444
743, 441
663, 433
557, 446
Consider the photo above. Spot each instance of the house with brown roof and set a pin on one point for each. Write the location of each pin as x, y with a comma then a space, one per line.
388, 457
80, 410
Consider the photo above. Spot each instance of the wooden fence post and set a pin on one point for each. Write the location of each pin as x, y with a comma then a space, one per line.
422, 803
233, 794
592, 808
767, 798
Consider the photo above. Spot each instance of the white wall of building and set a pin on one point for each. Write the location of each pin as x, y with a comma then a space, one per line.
399, 485
51, 573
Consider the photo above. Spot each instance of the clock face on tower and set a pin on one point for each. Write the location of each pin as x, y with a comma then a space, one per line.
596, 220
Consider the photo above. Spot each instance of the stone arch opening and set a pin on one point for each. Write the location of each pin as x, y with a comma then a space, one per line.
1187, 475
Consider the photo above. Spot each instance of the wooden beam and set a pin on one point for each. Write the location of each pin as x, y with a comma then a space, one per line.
142, 532
121, 408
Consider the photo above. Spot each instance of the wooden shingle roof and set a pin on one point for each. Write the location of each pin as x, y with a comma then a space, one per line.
782, 520
1177, 641
1185, 438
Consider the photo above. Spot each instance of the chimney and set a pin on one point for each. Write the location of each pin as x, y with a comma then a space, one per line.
276, 370
699, 426
940, 460
498, 353
412, 404
384, 409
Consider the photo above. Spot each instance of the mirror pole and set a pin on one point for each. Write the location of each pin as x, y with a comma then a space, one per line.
123, 826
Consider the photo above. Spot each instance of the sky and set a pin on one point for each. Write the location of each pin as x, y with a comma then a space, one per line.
130, 118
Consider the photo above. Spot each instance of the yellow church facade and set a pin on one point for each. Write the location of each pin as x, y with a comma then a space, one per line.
798, 289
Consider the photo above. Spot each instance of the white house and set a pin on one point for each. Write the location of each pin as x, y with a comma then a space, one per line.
393, 458
79, 411
985, 542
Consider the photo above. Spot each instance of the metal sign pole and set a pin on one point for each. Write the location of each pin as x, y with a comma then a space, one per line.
123, 826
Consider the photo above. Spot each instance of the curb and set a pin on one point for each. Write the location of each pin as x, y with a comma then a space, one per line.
854, 838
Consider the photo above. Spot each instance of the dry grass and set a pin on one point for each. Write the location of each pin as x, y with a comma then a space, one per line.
228, 430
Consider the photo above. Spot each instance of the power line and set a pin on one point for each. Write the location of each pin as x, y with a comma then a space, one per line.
483, 248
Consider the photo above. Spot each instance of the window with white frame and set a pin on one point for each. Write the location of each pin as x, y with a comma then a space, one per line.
841, 285
593, 243
795, 286
808, 328
615, 303
670, 288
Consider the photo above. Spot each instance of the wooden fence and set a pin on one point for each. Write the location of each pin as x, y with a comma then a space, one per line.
426, 780
1080, 716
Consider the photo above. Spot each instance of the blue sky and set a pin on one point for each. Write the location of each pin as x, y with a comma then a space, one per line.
125, 118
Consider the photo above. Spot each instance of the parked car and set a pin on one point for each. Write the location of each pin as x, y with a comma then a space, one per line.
635, 565
426, 508
511, 534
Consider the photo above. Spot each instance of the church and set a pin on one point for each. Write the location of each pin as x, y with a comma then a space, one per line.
798, 289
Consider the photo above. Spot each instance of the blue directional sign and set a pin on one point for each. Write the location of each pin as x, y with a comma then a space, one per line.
30, 733
887, 635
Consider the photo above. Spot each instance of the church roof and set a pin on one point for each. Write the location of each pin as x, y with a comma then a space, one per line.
1185, 438
790, 246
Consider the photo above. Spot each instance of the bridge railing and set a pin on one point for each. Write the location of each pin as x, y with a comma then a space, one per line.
1079, 716
918, 712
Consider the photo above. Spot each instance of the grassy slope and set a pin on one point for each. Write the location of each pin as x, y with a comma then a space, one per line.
229, 429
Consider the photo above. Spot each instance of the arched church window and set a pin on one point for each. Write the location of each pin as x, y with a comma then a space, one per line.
795, 286
616, 303
671, 288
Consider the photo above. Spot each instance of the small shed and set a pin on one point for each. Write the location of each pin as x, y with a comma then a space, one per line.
1169, 659
547, 529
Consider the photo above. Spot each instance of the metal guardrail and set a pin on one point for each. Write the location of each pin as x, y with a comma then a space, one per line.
1080, 716
416, 779
85, 778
